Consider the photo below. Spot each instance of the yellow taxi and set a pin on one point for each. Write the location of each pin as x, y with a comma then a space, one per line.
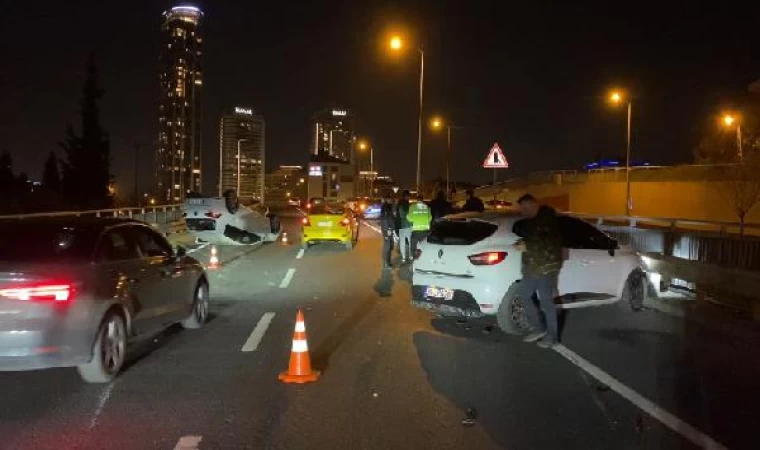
326, 223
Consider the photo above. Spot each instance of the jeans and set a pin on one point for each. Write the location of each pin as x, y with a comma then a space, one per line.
387, 248
543, 286
405, 242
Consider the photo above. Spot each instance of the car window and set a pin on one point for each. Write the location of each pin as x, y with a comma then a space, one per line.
151, 243
578, 234
460, 232
116, 245
45, 242
325, 209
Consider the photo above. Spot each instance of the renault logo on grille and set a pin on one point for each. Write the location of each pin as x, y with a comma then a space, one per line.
440, 254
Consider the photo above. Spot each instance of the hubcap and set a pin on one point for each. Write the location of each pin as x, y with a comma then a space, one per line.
201, 305
112, 344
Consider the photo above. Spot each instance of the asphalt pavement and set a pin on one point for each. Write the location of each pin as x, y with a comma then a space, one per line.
393, 377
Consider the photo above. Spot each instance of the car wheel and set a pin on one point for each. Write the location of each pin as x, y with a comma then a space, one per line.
635, 290
108, 352
199, 314
511, 314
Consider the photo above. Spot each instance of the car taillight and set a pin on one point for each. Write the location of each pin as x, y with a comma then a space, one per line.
42, 292
308, 206
345, 221
417, 253
487, 258
213, 215
305, 222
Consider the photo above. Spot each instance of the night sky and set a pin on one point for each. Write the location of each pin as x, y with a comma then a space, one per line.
531, 75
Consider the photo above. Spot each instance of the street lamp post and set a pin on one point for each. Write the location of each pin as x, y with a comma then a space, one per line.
729, 120
437, 124
396, 44
616, 98
239, 141
363, 146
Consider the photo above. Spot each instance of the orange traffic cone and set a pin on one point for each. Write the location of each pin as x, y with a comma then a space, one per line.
299, 369
213, 261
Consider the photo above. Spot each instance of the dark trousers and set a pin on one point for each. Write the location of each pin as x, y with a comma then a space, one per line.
543, 286
417, 237
387, 247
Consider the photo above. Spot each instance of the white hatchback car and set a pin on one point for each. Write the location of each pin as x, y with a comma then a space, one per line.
467, 268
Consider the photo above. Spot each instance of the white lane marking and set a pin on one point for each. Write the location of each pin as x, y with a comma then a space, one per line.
288, 277
374, 228
258, 333
669, 420
198, 248
103, 399
188, 443
300, 254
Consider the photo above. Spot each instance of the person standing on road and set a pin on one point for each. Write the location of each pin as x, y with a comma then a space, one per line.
405, 227
541, 247
440, 207
420, 217
387, 227
473, 204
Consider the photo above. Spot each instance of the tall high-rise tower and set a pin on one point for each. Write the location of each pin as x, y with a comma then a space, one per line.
178, 157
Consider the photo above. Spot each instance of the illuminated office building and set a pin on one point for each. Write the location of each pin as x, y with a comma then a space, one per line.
332, 134
242, 154
178, 156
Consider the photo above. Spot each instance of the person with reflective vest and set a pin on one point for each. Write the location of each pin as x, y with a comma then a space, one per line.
420, 217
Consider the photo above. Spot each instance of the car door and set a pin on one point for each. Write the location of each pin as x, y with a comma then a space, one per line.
166, 279
118, 258
590, 265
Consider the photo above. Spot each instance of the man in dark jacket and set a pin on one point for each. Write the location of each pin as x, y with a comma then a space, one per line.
405, 227
387, 227
440, 207
473, 204
541, 245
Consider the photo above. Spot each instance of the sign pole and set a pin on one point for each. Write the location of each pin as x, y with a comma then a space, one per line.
494, 183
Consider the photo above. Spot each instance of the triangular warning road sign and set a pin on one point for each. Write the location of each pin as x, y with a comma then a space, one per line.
495, 159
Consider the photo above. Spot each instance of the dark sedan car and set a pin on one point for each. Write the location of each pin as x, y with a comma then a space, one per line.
74, 292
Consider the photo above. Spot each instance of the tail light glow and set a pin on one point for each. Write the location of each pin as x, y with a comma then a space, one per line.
345, 221
487, 258
43, 292
308, 206
305, 222
213, 215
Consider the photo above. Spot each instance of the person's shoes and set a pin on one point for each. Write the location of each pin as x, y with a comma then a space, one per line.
547, 342
534, 336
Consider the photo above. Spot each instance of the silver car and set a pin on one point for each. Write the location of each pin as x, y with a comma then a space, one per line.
74, 292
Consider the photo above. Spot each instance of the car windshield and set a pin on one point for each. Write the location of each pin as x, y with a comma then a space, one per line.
326, 209
460, 232
44, 242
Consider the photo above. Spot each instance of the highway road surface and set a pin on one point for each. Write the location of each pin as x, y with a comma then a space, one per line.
393, 377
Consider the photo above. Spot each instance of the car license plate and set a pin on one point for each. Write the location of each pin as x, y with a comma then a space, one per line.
438, 292
325, 224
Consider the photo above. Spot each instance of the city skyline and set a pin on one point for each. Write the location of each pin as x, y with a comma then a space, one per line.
544, 102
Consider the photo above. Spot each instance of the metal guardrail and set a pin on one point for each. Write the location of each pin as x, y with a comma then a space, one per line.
167, 218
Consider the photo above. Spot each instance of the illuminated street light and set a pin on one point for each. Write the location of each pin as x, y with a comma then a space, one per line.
617, 97
729, 120
396, 44
436, 123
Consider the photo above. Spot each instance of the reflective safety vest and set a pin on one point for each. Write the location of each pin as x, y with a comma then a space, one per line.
419, 216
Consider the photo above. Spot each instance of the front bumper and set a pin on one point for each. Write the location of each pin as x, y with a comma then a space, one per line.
462, 305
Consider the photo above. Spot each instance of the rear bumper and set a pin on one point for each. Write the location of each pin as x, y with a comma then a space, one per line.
475, 294
463, 304
31, 350
316, 236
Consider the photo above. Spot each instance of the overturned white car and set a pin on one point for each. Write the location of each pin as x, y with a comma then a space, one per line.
223, 220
